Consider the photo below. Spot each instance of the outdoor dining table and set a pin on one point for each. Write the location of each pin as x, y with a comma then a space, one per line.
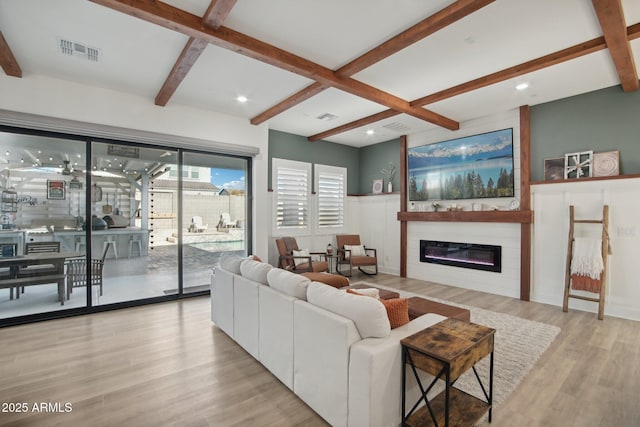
20, 275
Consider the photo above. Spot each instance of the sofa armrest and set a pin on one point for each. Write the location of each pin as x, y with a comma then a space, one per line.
375, 376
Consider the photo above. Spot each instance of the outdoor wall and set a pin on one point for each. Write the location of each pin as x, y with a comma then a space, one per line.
63, 99
603, 120
288, 146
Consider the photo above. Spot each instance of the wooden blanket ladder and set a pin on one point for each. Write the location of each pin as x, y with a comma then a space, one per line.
606, 250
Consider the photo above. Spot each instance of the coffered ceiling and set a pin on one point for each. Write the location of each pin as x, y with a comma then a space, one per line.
403, 66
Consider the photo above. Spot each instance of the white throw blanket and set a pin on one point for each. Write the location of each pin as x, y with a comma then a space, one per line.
587, 257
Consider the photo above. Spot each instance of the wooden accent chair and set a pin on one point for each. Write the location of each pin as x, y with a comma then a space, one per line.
352, 253
298, 263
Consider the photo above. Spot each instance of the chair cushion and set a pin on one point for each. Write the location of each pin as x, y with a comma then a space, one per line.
363, 260
356, 250
368, 314
300, 253
289, 283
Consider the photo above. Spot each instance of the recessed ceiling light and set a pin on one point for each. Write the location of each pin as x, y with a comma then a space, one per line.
242, 99
370, 132
522, 86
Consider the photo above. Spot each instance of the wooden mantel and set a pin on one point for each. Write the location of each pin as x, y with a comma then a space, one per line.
520, 217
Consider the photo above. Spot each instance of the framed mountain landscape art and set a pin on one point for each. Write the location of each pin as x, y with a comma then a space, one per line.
473, 167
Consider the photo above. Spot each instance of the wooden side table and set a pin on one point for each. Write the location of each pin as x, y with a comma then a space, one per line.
447, 350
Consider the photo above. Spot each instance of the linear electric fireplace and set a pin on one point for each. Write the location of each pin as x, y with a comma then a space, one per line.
465, 255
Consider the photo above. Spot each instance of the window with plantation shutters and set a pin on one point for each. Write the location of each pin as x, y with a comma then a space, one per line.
291, 188
331, 192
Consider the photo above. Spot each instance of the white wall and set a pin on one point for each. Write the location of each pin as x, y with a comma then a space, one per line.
551, 203
506, 235
375, 219
68, 100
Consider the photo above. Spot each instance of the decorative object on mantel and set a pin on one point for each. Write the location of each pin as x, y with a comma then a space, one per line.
606, 163
377, 186
435, 206
515, 205
455, 208
578, 165
554, 168
390, 172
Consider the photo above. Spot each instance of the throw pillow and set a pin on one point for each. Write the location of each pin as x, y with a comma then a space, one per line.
397, 311
356, 250
367, 292
255, 258
301, 253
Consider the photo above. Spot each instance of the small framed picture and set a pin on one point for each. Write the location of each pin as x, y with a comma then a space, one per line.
578, 165
56, 190
377, 186
606, 163
554, 168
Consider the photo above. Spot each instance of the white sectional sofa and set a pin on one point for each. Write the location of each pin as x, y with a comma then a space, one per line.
334, 350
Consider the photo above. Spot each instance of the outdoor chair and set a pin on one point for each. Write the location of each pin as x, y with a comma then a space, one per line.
299, 261
77, 272
196, 225
353, 254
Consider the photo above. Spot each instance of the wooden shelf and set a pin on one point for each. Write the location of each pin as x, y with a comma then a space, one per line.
465, 409
520, 217
599, 178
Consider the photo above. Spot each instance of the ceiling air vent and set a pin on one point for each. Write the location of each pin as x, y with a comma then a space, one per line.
398, 127
79, 50
326, 117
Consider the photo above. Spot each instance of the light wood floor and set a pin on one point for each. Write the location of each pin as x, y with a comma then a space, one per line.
166, 364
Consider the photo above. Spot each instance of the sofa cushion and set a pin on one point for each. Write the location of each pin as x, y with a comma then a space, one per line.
231, 263
397, 311
254, 270
368, 314
288, 283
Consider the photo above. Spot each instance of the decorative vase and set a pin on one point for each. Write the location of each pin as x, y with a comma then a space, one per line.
329, 249
390, 187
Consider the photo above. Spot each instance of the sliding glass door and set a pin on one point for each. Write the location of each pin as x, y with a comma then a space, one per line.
214, 212
123, 223
134, 222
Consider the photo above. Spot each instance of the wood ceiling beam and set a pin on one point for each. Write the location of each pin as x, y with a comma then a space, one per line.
214, 17
558, 57
612, 22
422, 29
7, 60
179, 20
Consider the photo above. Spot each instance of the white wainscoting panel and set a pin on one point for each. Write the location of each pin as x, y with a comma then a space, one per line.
550, 241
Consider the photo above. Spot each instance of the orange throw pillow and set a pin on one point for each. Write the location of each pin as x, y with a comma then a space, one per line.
397, 311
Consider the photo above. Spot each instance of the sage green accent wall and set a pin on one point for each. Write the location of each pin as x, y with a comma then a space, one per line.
374, 158
604, 120
288, 146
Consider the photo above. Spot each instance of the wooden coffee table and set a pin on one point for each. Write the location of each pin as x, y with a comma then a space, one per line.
447, 350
